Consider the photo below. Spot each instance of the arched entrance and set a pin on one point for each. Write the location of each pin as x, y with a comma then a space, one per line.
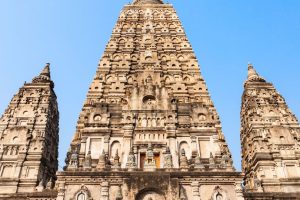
150, 194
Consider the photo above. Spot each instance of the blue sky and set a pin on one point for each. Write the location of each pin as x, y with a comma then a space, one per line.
225, 35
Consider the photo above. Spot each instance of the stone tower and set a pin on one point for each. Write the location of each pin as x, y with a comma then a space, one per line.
148, 128
29, 138
270, 139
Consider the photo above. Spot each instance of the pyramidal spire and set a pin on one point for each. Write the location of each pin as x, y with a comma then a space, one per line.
44, 76
253, 75
46, 70
139, 2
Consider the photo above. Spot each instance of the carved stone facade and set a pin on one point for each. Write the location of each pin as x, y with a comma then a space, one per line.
270, 136
148, 110
148, 129
29, 138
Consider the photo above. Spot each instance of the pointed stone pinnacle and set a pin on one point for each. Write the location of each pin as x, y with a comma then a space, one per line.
46, 70
44, 76
252, 74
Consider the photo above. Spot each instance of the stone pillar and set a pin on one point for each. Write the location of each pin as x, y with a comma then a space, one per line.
61, 191
128, 130
194, 147
134, 97
21, 157
195, 190
135, 151
82, 151
104, 190
17, 169
239, 191
106, 144
171, 135
1, 150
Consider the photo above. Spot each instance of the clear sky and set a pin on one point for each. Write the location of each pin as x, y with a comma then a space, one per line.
225, 34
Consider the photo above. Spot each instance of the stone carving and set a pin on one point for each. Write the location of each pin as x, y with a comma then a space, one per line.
150, 161
257, 184
73, 163
83, 194
219, 194
212, 163
148, 89
184, 165
168, 160
41, 186
198, 164
104, 190
88, 161
195, 189
150, 195
102, 161
131, 163
119, 195
182, 194
116, 163
263, 106
29, 130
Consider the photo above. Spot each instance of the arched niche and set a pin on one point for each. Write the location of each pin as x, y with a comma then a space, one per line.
114, 147
150, 194
219, 194
184, 145
82, 194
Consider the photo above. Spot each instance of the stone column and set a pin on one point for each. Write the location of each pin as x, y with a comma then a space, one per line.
104, 190
239, 191
171, 135
194, 147
61, 191
106, 144
195, 190
128, 130
1, 150
82, 151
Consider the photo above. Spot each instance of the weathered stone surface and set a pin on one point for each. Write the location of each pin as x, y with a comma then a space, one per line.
29, 138
148, 102
270, 140
148, 129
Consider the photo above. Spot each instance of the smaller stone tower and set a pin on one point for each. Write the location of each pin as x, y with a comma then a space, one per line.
29, 138
270, 139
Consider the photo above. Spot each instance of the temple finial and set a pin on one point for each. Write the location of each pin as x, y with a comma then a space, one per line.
44, 76
252, 74
46, 70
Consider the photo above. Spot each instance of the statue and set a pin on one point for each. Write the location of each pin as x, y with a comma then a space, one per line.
116, 163
102, 161
150, 163
88, 160
198, 164
131, 164
168, 161
73, 163
183, 164
212, 163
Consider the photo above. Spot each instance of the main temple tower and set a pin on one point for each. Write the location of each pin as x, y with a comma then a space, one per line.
148, 128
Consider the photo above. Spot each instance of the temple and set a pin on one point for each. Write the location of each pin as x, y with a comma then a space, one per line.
148, 129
